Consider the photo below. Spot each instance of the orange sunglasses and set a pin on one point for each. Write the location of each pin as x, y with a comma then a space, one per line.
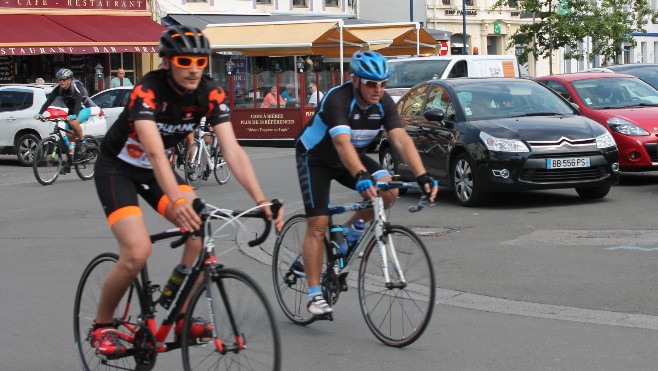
187, 62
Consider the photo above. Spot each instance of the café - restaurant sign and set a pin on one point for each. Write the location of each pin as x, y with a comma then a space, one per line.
75, 4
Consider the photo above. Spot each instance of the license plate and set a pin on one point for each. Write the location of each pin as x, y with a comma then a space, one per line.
567, 163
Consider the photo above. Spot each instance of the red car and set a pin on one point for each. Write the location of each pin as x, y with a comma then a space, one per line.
624, 104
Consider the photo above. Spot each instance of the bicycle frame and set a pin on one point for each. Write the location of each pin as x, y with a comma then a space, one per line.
376, 229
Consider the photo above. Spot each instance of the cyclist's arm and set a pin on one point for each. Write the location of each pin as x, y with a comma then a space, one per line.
150, 138
406, 148
49, 100
241, 166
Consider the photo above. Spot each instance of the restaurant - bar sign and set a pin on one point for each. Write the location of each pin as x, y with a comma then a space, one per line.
75, 4
36, 50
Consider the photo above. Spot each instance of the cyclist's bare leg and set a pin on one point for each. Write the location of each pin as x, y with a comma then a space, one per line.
388, 197
134, 249
313, 249
77, 129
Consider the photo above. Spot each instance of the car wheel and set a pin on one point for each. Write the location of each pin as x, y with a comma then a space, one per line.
593, 192
389, 161
25, 148
464, 183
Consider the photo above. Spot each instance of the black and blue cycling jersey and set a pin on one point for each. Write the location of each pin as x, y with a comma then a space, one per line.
338, 113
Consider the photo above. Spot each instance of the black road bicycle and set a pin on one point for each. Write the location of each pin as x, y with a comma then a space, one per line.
244, 332
52, 151
395, 278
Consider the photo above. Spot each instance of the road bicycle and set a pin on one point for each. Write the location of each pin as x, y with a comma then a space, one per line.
244, 331
395, 278
50, 153
177, 155
202, 159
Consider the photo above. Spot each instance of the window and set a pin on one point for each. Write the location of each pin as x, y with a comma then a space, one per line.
331, 3
300, 3
263, 1
413, 105
469, 2
560, 89
439, 98
459, 70
445, 2
15, 100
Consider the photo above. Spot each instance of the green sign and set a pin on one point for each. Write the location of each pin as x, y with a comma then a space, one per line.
497, 28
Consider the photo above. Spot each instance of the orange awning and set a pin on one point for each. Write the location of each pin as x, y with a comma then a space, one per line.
396, 38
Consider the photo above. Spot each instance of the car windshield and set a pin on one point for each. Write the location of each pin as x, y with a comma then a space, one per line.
649, 75
410, 73
618, 92
484, 100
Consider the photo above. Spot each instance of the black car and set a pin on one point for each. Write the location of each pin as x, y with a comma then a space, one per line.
479, 136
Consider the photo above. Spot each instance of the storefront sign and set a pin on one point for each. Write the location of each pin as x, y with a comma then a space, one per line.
266, 123
36, 50
75, 4
470, 13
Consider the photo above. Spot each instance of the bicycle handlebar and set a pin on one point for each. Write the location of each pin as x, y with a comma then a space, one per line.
424, 198
200, 207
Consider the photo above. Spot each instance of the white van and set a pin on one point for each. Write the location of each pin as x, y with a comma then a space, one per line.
408, 72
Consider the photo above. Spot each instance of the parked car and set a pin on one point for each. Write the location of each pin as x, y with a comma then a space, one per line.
624, 104
112, 101
407, 72
479, 136
646, 71
19, 131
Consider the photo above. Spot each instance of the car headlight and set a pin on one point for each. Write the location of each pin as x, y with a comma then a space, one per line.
605, 140
626, 127
503, 145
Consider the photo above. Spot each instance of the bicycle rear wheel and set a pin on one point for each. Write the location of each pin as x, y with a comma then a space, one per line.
397, 314
194, 164
85, 161
245, 327
288, 274
47, 161
84, 312
222, 171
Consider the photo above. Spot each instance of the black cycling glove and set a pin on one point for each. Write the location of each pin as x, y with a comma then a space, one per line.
363, 181
426, 179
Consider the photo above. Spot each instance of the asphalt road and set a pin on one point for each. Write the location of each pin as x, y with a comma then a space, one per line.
532, 281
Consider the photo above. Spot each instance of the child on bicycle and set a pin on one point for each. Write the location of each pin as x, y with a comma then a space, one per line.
333, 146
164, 107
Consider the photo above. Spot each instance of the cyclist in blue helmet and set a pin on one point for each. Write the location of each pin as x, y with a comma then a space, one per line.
333, 147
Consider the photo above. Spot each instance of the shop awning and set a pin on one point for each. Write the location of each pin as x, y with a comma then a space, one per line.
311, 37
31, 34
396, 38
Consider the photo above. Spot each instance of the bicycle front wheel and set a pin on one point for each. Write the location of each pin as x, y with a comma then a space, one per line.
397, 313
85, 161
247, 337
84, 312
222, 171
194, 163
47, 161
288, 274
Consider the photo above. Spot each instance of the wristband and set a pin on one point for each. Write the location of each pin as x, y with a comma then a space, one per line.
178, 202
262, 202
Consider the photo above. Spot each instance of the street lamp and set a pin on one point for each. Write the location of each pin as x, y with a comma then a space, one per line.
464, 26
99, 77
230, 66
300, 64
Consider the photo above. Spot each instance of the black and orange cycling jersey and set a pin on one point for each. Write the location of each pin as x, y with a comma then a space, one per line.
154, 99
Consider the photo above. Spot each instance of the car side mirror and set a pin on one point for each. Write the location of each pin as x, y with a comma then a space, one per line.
435, 114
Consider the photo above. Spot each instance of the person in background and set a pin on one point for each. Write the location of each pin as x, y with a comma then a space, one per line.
289, 94
270, 99
316, 95
120, 80
40, 81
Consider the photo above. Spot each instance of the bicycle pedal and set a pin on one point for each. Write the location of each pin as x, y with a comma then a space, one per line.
342, 281
325, 317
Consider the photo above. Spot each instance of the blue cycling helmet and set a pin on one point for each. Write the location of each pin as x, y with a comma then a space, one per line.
370, 65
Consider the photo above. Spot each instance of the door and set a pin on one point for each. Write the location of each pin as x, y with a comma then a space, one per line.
436, 137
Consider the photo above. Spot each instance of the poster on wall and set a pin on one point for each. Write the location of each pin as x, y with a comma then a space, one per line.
6, 70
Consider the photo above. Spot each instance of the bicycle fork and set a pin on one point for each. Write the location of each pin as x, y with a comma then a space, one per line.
387, 249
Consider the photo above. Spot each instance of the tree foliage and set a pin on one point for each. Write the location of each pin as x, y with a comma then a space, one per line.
565, 23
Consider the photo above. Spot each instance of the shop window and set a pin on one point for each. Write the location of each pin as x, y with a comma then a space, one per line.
263, 1
300, 3
445, 2
331, 2
469, 2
